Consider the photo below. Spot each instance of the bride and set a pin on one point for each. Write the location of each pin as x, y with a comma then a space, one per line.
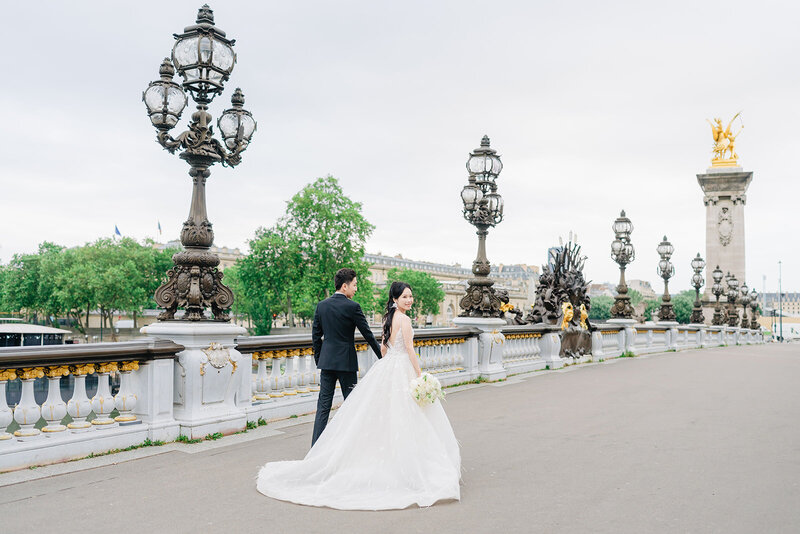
382, 450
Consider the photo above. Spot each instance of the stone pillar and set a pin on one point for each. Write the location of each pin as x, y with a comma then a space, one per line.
724, 197
490, 345
212, 380
629, 333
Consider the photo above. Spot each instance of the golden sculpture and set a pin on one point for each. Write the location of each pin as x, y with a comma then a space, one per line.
724, 143
568, 312
584, 316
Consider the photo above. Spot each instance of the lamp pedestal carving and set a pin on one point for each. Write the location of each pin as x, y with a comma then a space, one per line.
212, 380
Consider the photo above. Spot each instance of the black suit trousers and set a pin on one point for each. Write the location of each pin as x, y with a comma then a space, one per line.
327, 387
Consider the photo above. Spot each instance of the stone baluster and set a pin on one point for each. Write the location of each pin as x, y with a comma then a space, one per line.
434, 356
425, 355
27, 413
459, 349
6, 415
125, 400
290, 376
449, 364
54, 409
302, 372
103, 402
79, 406
262, 381
313, 372
276, 378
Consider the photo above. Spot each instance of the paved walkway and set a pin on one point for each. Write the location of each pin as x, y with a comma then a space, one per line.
695, 441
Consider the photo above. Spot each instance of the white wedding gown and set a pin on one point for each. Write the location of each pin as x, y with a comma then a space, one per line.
380, 451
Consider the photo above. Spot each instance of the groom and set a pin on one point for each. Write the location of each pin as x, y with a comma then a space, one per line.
333, 336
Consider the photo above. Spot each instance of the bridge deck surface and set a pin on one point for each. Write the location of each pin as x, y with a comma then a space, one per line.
694, 441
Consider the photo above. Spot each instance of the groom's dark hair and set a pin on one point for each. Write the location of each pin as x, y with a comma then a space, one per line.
343, 276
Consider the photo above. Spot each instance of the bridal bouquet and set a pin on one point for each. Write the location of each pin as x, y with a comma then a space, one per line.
426, 389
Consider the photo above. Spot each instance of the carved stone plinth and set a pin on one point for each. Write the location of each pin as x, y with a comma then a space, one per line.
211, 378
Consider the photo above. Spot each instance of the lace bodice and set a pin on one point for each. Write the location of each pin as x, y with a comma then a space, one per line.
398, 345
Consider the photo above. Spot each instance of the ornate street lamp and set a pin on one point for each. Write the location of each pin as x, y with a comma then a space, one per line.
698, 264
204, 57
666, 270
754, 310
733, 293
483, 208
745, 300
717, 290
623, 253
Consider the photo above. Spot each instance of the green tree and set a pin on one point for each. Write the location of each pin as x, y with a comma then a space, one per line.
683, 303
601, 308
635, 297
270, 276
428, 293
331, 233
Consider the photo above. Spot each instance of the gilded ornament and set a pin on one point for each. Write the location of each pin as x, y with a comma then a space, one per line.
129, 366
584, 316
30, 373
56, 371
110, 367
82, 369
8, 374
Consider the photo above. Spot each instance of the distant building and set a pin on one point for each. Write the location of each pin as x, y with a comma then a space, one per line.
602, 290
790, 303
643, 287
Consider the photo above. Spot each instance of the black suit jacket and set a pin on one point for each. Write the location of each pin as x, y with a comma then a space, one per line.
336, 319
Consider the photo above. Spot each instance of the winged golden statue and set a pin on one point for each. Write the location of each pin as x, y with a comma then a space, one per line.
724, 143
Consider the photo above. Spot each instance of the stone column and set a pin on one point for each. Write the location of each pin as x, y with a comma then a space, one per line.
724, 197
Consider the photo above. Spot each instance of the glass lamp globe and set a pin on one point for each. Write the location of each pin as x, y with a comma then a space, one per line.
471, 195
717, 275
484, 163
164, 99
622, 225
698, 263
697, 280
665, 248
236, 124
616, 247
203, 56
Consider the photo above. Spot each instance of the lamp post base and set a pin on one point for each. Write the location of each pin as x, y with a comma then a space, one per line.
481, 300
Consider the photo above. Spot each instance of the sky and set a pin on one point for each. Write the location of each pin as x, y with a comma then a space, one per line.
594, 107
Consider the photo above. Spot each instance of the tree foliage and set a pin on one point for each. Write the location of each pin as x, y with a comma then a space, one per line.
110, 276
428, 293
601, 308
291, 265
683, 303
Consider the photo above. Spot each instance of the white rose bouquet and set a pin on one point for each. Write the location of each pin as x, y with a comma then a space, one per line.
426, 389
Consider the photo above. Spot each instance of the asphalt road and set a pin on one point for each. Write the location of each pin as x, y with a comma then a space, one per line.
694, 441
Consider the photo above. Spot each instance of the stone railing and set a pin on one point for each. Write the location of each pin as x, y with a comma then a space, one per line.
42, 427
208, 380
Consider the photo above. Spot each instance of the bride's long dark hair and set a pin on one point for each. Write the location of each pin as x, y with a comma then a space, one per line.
395, 291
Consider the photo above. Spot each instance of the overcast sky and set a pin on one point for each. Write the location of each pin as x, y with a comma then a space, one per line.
594, 107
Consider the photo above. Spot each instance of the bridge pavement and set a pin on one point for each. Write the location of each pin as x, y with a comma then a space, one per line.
695, 441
